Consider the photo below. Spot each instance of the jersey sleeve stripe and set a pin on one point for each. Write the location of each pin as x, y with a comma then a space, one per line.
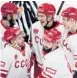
4, 70
41, 76
46, 75
3, 75
75, 57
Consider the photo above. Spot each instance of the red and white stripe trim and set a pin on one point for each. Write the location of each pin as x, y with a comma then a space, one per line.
3, 73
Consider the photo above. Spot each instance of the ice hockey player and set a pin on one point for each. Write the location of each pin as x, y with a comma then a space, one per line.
15, 60
45, 13
55, 63
9, 12
69, 16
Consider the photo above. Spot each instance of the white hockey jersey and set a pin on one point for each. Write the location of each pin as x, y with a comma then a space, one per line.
55, 65
68, 53
72, 45
13, 63
37, 39
37, 32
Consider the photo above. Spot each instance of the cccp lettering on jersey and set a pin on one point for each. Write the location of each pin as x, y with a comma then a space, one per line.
38, 40
66, 45
21, 64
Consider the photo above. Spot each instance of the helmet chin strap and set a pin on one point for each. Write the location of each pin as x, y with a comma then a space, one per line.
53, 46
46, 24
45, 27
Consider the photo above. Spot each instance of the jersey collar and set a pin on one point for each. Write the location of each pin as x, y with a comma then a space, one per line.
69, 33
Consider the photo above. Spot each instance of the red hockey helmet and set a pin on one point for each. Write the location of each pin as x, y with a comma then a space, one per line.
47, 9
9, 8
52, 35
11, 33
70, 12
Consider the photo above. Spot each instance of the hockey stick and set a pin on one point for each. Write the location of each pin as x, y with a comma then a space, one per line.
62, 3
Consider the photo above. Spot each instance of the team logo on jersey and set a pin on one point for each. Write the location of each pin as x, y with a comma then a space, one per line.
35, 31
51, 71
2, 64
15, 56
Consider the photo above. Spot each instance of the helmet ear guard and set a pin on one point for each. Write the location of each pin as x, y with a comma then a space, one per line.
49, 17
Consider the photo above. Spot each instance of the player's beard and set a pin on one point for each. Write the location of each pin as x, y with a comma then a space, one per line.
11, 22
23, 47
47, 28
47, 50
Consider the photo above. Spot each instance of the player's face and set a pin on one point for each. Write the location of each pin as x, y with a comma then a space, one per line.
47, 46
69, 24
15, 17
65, 22
42, 18
12, 19
20, 40
73, 26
